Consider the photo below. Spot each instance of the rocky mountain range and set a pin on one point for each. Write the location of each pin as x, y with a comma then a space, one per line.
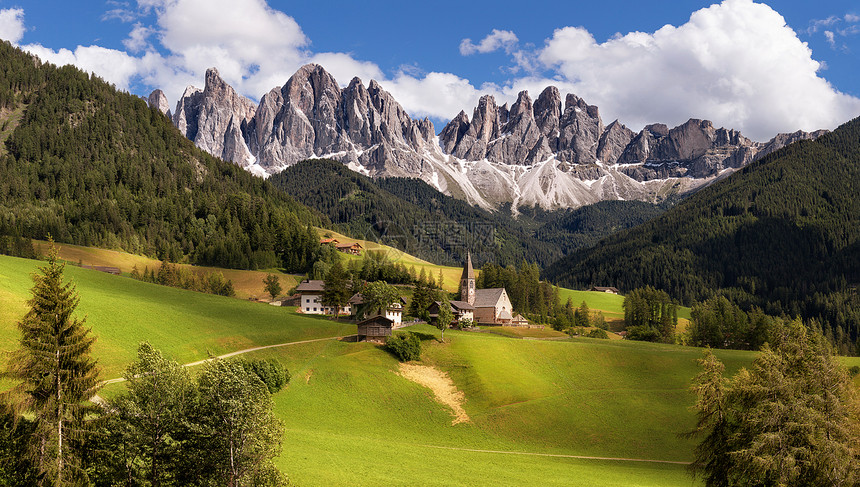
544, 152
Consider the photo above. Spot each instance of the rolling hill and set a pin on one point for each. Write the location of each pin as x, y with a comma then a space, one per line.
347, 404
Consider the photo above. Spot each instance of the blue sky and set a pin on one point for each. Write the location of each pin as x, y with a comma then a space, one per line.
759, 67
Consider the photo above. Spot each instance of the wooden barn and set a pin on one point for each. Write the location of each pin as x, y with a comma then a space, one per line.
375, 329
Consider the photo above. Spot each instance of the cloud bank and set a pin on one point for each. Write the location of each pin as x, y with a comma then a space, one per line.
736, 63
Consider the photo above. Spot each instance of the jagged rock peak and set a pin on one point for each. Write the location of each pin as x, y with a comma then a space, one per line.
158, 100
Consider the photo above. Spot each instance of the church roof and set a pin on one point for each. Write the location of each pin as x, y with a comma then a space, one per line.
468, 272
486, 298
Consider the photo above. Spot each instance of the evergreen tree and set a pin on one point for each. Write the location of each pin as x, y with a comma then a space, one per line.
581, 315
792, 419
56, 375
337, 289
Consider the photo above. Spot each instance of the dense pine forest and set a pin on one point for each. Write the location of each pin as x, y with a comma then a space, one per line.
782, 235
91, 165
409, 214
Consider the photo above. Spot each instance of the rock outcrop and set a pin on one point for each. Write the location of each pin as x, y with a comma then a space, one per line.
216, 119
158, 100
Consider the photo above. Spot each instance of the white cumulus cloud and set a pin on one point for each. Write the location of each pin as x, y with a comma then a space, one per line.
12, 24
497, 39
114, 66
736, 63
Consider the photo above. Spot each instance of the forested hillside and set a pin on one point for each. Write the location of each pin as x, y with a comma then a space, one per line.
782, 234
409, 214
90, 165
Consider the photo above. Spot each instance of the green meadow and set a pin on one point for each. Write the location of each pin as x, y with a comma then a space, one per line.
186, 325
351, 419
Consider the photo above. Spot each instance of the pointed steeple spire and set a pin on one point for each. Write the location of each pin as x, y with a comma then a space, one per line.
468, 272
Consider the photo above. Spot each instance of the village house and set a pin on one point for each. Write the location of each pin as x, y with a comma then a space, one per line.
491, 306
461, 310
394, 311
310, 302
329, 241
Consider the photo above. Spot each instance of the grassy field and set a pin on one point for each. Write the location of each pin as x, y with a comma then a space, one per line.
246, 283
184, 324
611, 305
350, 419
515, 332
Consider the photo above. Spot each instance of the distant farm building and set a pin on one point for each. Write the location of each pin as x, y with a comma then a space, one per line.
353, 248
329, 241
377, 328
394, 311
600, 289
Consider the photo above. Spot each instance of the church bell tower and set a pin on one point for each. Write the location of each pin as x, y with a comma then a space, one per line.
467, 282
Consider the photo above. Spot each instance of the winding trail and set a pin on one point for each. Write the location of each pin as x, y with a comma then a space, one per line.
98, 399
556, 455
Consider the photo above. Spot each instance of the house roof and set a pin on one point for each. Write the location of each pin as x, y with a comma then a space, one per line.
468, 272
505, 315
487, 298
311, 285
358, 298
462, 305
605, 289
378, 319
349, 245
329, 240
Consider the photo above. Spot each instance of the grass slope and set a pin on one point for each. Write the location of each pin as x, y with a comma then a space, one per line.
246, 283
186, 325
352, 420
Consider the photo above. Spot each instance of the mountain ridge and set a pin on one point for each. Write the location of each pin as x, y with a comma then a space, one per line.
547, 152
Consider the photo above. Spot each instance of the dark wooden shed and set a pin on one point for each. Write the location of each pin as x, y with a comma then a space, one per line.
375, 329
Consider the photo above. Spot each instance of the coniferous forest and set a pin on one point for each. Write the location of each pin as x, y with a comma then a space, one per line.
90, 165
782, 235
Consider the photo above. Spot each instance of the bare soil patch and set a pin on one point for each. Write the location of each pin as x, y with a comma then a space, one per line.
443, 388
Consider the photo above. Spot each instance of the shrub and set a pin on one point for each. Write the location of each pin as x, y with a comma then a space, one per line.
404, 346
854, 370
643, 333
598, 333
270, 371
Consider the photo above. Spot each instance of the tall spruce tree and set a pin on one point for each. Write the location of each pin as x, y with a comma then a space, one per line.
56, 376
